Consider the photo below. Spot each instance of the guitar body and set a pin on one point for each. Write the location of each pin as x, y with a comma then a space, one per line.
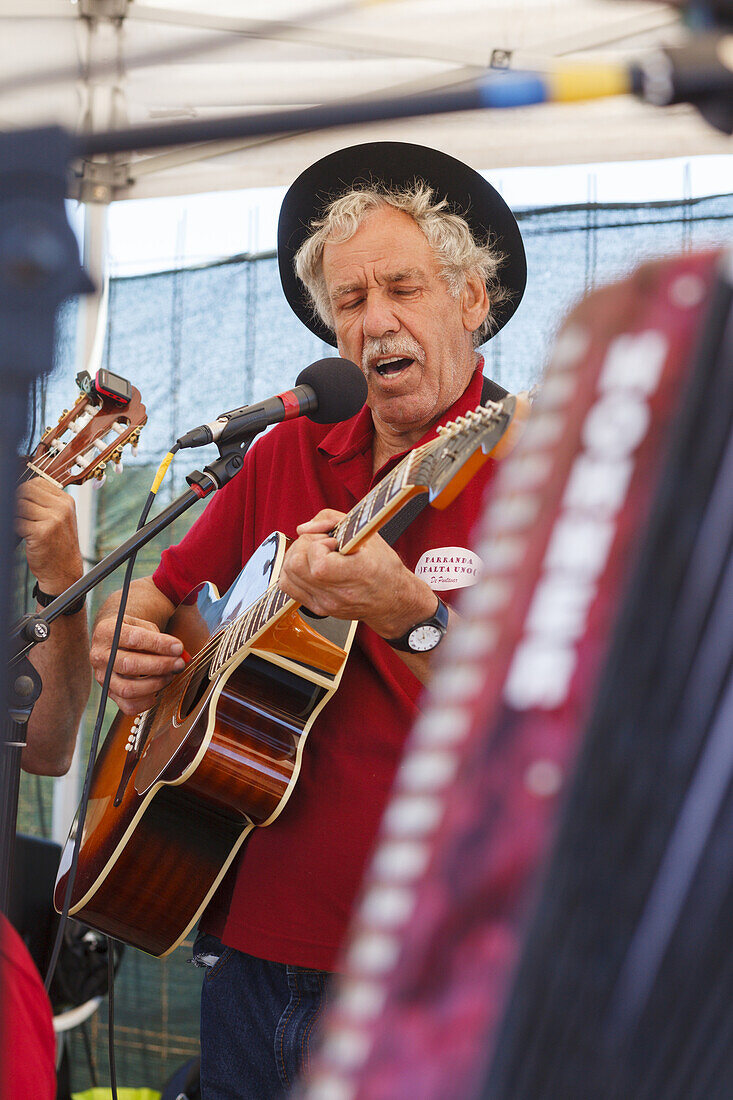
176, 791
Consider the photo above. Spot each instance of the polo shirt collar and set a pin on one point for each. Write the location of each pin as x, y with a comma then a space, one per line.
352, 437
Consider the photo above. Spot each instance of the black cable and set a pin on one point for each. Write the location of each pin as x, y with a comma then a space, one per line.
95, 741
111, 1013
43, 824
41, 809
81, 815
84, 1028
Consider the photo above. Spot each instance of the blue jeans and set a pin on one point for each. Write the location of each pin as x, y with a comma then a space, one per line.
258, 1020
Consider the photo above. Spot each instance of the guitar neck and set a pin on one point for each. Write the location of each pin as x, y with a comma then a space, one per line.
440, 467
383, 501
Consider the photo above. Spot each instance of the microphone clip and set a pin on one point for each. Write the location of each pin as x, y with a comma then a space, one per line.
221, 471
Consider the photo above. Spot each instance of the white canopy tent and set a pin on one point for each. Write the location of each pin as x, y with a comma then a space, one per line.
231, 56
101, 64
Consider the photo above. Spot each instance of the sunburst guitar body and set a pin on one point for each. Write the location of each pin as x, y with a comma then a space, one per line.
177, 789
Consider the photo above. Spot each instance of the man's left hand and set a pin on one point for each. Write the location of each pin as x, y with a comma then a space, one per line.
371, 584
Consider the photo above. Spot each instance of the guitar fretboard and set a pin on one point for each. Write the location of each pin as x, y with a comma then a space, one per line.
370, 511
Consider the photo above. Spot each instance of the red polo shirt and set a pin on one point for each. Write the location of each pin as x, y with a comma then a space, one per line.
288, 896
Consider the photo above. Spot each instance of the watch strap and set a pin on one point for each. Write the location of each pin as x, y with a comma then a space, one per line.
44, 600
438, 620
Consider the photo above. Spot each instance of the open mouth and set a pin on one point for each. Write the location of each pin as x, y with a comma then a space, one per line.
387, 367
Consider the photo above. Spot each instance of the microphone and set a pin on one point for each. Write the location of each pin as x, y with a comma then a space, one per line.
326, 392
699, 72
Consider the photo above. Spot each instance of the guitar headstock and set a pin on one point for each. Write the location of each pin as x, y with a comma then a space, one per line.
87, 436
464, 444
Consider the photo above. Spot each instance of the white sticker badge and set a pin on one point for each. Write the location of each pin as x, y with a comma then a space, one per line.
449, 567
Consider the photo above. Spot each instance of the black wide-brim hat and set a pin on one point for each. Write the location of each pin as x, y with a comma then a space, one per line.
397, 164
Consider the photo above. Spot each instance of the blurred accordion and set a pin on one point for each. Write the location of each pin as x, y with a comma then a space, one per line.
547, 913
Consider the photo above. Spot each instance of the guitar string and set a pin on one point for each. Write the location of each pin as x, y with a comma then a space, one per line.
35, 467
38, 465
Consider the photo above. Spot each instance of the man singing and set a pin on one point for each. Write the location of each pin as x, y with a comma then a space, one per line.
407, 260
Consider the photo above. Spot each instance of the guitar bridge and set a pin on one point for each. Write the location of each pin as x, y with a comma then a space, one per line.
133, 747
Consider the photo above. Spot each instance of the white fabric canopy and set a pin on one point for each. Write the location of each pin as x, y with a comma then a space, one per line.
269, 54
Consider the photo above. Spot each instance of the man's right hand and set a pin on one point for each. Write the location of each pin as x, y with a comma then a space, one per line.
146, 661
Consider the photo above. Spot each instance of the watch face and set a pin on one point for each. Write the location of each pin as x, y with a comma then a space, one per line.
424, 638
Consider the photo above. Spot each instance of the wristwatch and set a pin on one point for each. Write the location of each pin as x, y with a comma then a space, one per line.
424, 636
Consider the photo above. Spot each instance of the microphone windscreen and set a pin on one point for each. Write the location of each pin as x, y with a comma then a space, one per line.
339, 386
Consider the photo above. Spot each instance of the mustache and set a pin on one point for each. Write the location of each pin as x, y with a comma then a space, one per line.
402, 345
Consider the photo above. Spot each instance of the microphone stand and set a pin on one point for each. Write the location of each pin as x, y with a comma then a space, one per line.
25, 683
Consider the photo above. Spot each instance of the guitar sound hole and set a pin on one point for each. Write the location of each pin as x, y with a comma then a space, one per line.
195, 690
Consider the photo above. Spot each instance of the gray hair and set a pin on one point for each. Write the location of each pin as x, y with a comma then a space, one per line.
449, 235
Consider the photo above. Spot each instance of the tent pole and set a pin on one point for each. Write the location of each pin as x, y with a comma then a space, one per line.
91, 329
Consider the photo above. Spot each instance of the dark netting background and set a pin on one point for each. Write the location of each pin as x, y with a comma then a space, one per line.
198, 341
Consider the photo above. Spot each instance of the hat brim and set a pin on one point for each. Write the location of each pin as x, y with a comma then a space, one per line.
397, 164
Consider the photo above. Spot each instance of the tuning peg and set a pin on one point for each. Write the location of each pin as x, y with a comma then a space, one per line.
99, 480
118, 467
63, 414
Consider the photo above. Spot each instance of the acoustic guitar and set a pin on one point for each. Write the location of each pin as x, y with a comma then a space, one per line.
177, 789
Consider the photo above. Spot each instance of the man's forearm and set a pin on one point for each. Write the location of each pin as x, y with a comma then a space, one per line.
63, 664
144, 601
